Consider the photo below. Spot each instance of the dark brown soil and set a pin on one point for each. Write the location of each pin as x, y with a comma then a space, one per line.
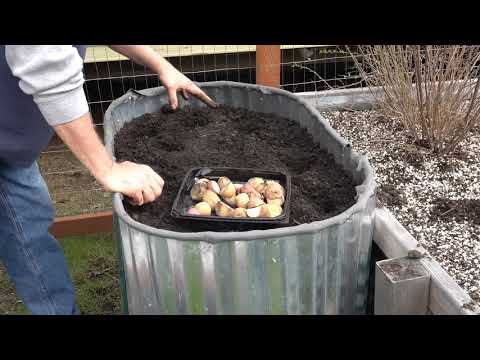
398, 272
173, 143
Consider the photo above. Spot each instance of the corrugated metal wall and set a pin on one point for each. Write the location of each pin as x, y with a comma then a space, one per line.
317, 268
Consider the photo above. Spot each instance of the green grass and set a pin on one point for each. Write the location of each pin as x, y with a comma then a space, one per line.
93, 266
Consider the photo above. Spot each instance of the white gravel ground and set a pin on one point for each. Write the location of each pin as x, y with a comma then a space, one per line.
436, 198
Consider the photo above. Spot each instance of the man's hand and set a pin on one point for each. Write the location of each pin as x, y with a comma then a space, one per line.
173, 80
139, 182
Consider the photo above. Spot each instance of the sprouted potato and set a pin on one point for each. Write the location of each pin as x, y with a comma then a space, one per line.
228, 199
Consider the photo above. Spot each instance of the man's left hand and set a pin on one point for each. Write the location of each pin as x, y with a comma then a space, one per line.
174, 81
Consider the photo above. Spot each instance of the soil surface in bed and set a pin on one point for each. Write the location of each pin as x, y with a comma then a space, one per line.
229, 137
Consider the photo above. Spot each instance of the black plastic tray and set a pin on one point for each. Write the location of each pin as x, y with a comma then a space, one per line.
183, 201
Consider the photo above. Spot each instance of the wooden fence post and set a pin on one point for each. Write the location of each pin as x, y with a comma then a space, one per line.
268, 65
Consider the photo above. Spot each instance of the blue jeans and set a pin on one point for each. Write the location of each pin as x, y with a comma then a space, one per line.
33, 258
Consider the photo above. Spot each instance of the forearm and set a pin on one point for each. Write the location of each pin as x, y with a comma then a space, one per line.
80, 136
172, 79
53, 76
144, 55
138, 182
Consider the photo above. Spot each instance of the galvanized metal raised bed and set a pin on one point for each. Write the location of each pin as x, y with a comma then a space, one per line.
446, 297
316, 268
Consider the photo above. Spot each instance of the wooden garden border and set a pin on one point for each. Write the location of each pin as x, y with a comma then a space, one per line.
92, 223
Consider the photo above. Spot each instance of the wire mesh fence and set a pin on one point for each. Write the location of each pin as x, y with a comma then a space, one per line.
108, 75
318, 68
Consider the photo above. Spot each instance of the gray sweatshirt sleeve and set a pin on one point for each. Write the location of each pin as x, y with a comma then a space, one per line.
53, 75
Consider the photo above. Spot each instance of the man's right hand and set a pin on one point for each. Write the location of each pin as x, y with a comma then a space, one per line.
139, 182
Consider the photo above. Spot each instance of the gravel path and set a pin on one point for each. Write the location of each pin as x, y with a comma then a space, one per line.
436, 198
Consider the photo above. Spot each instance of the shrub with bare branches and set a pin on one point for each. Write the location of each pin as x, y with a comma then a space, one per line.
432, 90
